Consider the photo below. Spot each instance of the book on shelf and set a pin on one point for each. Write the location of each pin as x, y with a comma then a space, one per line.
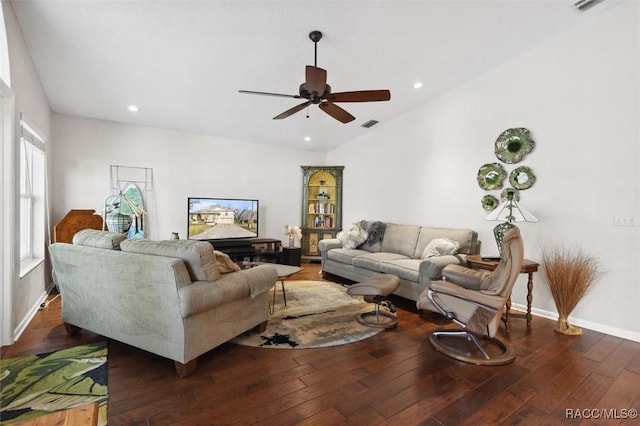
321, 208
322, 221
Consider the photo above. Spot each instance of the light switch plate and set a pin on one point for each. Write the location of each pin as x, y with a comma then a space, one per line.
627, 221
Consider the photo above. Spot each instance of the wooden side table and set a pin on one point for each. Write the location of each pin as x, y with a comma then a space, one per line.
528, 267
291, 256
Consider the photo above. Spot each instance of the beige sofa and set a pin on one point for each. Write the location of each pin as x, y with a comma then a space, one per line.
165, 297
399, 250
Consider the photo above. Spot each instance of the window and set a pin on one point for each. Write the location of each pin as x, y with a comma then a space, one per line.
32, 197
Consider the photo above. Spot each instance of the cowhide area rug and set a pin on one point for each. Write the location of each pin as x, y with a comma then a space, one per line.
317, 314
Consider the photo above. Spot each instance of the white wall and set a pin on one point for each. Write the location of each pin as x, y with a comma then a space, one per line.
183, 165
31, 102
579, 96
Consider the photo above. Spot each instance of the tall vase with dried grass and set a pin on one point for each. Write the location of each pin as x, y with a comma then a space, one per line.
570, 275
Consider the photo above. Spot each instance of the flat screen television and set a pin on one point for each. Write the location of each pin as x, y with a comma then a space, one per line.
222, 218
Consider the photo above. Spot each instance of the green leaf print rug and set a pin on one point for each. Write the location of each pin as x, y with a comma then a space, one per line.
34, 385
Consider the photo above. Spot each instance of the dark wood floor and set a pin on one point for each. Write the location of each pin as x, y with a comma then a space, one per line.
395, 377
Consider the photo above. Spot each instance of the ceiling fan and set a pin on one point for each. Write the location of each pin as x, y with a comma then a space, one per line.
316, 91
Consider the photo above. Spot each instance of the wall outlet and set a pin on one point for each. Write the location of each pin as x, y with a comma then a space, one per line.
628, 221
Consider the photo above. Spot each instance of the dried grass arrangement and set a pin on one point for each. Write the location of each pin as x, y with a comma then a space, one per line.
570, 275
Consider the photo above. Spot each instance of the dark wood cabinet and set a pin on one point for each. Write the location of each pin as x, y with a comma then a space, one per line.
291, 256
321, 207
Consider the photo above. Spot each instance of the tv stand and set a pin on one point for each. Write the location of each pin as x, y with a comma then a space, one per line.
240, 248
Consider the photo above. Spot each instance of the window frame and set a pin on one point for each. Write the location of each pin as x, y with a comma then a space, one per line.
33, 197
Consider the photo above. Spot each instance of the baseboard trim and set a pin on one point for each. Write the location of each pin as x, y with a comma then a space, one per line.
17, 332
590, 325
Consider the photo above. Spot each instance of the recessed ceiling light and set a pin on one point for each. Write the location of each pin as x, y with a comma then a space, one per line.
133, 108
417, 85
307, 139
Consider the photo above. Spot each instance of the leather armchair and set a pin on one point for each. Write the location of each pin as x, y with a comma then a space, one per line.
475, 301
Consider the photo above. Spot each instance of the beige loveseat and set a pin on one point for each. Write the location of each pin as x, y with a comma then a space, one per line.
411, 252
165, 297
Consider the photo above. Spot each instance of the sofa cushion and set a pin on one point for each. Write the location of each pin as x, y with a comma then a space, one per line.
197, 255
99, 239
406, 269
345, 255
440, 247
467, 239
353, 237
401, 239
372, 261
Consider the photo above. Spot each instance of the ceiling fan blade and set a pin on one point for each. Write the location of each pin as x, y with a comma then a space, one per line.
336, 112
360, 96
316, 79
292, 111
251, 92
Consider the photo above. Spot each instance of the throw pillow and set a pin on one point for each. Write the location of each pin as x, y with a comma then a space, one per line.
440, 247
353, 237
224, 263
375, 231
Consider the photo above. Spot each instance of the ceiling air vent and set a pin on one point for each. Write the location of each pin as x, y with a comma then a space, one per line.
369, 123
586, 4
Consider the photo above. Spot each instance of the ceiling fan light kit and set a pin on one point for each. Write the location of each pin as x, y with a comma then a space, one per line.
316, 91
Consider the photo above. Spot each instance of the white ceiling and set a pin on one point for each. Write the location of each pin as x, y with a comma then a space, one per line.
183, 62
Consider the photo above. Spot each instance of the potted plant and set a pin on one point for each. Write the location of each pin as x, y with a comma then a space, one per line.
569, 276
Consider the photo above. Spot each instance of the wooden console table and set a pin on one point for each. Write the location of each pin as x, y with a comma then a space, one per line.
241, 248
528, 267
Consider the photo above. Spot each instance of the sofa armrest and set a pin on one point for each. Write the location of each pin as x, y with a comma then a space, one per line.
328, 244
202, 296
431, 268
260, 279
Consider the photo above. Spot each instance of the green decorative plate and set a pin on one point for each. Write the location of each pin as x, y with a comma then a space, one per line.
506, 191
513, 145
522, 178
491, 175
489, 202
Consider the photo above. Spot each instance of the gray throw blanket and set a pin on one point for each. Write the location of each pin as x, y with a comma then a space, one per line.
375, 230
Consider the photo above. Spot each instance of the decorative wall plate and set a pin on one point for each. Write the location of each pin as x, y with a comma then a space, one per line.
506, 191
491, 175
489, 202
513, 145
522, 178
